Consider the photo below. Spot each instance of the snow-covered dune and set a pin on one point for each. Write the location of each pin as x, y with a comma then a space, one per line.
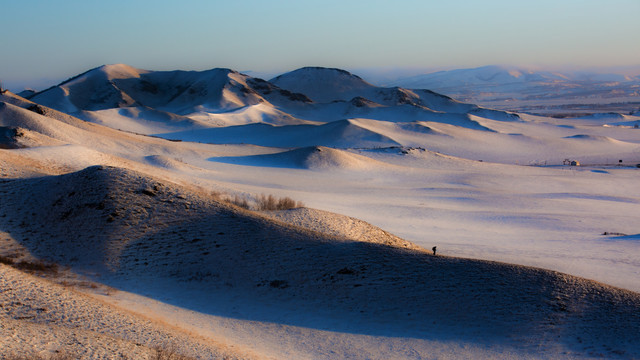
170, 243
313, 158
147, 211
339, 134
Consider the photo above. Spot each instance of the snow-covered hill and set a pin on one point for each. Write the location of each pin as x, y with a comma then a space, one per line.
538, 91
154, 238
151, 217
119, 86
123, 97
328, 85
486, 75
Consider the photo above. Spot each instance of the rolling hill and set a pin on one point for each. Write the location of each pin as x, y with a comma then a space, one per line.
147, 236
127, 180
560, 93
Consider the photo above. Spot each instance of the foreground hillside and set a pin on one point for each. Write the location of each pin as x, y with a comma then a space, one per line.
42, 319
157, 239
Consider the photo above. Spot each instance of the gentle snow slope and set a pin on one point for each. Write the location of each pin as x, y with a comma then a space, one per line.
171, 243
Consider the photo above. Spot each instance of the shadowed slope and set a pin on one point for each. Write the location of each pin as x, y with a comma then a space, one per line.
340, 134
121, 96
38, 316
327, 85
175, 244
313, 157
180, 92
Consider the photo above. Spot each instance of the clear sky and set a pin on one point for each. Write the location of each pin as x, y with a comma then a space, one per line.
45, 41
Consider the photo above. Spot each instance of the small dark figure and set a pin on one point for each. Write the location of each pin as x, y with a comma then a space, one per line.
434, 250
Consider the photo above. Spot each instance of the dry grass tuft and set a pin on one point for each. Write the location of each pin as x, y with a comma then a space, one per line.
36, 266
261, 203
168, 353
240, 202
58, 356
6, 260
270, 202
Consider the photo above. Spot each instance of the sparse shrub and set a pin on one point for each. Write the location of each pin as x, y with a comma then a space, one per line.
270, 202
287, 203
6, 260
36, 109
168, 353
266, 202
240, 202
216, 195
262, 202
37, 267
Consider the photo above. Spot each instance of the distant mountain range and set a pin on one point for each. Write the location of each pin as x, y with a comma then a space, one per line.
314, 106
304, 96
547, 92
562, 93
120, 85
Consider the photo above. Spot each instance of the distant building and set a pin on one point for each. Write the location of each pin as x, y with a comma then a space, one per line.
571, 162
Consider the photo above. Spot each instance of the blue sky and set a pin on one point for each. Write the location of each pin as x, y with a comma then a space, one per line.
45, 41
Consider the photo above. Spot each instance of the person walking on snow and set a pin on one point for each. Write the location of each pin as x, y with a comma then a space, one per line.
434, 250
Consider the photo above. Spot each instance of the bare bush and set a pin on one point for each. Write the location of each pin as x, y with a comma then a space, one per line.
240, 202
262, 202
6, 260
216, 195
266, 202
37, 266
286, 203
270, 202
168, 353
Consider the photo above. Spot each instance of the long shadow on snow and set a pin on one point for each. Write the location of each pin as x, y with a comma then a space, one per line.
150, 238
254, 269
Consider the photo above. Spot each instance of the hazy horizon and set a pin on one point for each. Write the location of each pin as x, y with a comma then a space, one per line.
51, 41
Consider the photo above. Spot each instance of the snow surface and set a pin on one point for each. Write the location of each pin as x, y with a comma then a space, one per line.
533, 90
476, 183
249, 282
